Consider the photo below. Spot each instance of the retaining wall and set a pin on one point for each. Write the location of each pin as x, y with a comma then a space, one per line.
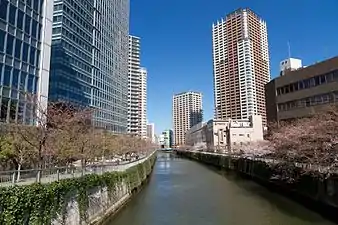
317, 191
78, 201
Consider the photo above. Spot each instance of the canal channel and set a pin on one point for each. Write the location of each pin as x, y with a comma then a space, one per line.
184, 192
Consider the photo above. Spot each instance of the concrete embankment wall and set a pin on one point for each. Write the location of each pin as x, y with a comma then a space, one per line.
316, 191
90, 199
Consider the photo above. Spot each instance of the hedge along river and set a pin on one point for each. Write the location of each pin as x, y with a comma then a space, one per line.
184, 192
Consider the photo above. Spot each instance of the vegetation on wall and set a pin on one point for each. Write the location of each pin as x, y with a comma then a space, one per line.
39, 204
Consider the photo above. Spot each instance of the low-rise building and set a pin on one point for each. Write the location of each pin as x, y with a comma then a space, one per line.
196, 136
302, 92
225, 135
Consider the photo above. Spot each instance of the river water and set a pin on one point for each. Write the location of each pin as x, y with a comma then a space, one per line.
184, 192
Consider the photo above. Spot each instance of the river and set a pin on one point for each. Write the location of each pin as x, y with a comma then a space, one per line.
184, 192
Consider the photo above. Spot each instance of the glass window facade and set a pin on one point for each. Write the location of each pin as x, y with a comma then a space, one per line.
86, 74
19, 51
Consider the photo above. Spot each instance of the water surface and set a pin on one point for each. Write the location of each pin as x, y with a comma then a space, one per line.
184, 192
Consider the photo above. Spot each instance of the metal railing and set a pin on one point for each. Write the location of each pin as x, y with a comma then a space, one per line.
26, 177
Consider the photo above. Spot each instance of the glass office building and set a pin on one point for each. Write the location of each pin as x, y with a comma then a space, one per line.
89, 65
25, 40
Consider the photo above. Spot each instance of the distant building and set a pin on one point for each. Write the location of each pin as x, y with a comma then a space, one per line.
167, 139
241, 65
151, 132
225, 135
196, 136
290, 64
187, 112
143, 102
302, 92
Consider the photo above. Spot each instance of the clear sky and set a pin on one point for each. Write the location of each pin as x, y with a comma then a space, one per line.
177, 46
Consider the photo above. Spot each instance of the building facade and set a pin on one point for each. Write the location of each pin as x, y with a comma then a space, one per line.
151, 132
187, 112
134, 80
143, 102
302, 92
137, 90
89, 65
196, 136
25, 45
225, 135
241, 65
167, 139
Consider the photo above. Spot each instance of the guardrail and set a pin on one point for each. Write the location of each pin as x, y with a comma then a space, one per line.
25, 177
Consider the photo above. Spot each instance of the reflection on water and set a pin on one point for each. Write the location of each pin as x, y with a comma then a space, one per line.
183, 192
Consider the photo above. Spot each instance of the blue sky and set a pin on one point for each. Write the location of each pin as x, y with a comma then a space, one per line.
177, 47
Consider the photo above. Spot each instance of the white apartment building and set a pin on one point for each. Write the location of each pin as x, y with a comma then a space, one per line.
143, 102
137, 90
187, 112
241, 65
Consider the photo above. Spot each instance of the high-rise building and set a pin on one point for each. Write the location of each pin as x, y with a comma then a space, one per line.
89, 65
241, 65
134, 80
151, 132
187, 112
137, 90
25, 45
143, 102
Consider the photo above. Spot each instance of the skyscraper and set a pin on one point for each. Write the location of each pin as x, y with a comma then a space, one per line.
25, 40
134, 80
187, 112
89, 65
137, 90
143, 102
241, 65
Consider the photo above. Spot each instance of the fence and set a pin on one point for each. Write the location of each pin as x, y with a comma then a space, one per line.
25, 177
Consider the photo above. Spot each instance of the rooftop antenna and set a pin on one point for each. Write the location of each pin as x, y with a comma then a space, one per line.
289, 49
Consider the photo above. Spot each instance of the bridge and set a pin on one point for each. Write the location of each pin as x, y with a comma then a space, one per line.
182, 191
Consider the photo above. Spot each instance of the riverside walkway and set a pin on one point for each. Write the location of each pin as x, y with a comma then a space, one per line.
8, 178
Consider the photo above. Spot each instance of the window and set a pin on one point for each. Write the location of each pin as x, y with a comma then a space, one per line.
25, 52
12, 14
32, 56
18, 45
2, 40
3, 10
30, 87
23, 78
29, 3
36, 5
10, 41
15, 80
7, 76
28, 24
37, 58
34, 27
20, 20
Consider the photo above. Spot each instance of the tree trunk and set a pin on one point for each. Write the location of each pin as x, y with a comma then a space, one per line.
18, 176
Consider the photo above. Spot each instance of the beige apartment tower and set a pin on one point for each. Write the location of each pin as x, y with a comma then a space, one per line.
241, 65
187, 112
